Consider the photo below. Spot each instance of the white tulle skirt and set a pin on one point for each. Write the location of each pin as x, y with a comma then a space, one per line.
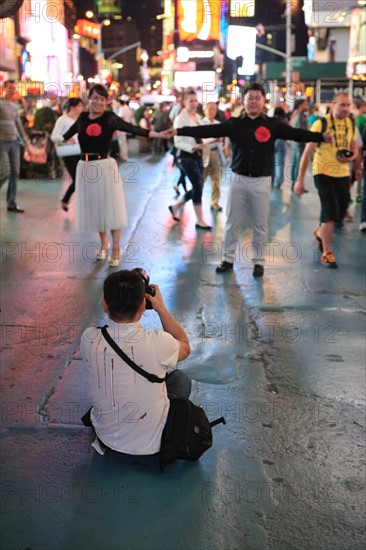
100, 200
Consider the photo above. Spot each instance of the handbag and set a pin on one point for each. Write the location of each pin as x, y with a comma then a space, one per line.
37, 154
187, 433
68, 150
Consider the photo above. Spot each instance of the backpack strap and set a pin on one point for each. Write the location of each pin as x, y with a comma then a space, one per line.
150, 377
323, 128
220, 420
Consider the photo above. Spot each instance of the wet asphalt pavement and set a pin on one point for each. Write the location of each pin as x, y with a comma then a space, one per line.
282, 358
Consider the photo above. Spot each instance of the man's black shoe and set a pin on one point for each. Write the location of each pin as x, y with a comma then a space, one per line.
224, 266
204, 227
15, 209
258, 270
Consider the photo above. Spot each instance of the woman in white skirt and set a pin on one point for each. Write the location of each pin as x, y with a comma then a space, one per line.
100, 201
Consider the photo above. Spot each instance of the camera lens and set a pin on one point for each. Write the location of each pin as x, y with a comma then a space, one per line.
143, 274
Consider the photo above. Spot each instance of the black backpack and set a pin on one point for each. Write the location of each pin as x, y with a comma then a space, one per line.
187, 433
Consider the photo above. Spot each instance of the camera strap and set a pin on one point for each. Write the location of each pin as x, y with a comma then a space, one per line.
345, 128
150, 377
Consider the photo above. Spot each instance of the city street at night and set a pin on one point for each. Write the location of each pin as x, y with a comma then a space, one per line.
281, 357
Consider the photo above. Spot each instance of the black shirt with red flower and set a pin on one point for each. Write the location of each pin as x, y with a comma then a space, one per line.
95, 135
252, 141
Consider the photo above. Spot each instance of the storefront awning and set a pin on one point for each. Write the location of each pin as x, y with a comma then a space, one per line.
276, 70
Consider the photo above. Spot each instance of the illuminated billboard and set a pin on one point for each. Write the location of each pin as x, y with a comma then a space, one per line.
242, 8
194, 79
198, 19
84, 27
242, 43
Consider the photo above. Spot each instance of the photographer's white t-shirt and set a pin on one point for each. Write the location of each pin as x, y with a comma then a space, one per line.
129, 412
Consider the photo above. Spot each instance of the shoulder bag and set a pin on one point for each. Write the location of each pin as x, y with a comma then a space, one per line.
187, 433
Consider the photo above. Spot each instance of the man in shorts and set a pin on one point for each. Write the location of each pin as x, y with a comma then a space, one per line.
331, 172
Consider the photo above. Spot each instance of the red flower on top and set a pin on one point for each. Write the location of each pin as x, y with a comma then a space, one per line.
262, 134
94, 130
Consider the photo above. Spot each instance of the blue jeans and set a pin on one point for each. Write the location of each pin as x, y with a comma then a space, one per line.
192, 167
297, 151
10, 168
279, 162
178, 384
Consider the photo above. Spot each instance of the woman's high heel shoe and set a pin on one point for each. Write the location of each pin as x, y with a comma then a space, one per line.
115, 261
102, 253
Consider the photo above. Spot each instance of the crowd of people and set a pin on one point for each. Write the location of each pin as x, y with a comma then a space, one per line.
200, 137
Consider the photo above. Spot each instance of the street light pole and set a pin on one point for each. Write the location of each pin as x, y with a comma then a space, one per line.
288, 47
106, 22
145, 70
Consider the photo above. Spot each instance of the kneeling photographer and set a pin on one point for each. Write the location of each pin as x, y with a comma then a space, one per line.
129, 412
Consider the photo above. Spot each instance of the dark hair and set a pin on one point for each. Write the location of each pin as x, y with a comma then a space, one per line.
123, 292
299, 102
359, 102
98, 89
72, 102
9, 82
188, 92
256, 87
279, 113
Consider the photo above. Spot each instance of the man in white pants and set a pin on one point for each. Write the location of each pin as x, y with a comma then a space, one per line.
252, 138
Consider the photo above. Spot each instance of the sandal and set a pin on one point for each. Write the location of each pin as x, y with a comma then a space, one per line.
102, 253
113, 261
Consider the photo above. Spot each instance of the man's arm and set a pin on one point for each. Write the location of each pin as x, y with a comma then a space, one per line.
284, 131
169, 324
304, 163
204, 131
20, 128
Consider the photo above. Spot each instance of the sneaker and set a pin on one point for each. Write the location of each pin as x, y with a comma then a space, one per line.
328, 260
99, 446
363, 226
319, 242
258, 270
224, 266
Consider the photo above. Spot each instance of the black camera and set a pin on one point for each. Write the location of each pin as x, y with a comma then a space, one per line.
148, 288
344, 153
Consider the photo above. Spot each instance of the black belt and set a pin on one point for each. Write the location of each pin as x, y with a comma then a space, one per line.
184, 154
92, 156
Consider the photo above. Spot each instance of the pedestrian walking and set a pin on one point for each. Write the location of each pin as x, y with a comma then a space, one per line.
252, 138
189, 159
74, 106
280, 150
11, 130
212, 158
298, 119
331, 172
160, 121
100, 201
126, 113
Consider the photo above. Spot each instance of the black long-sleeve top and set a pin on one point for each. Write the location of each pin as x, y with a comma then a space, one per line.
95, 135
252, 141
